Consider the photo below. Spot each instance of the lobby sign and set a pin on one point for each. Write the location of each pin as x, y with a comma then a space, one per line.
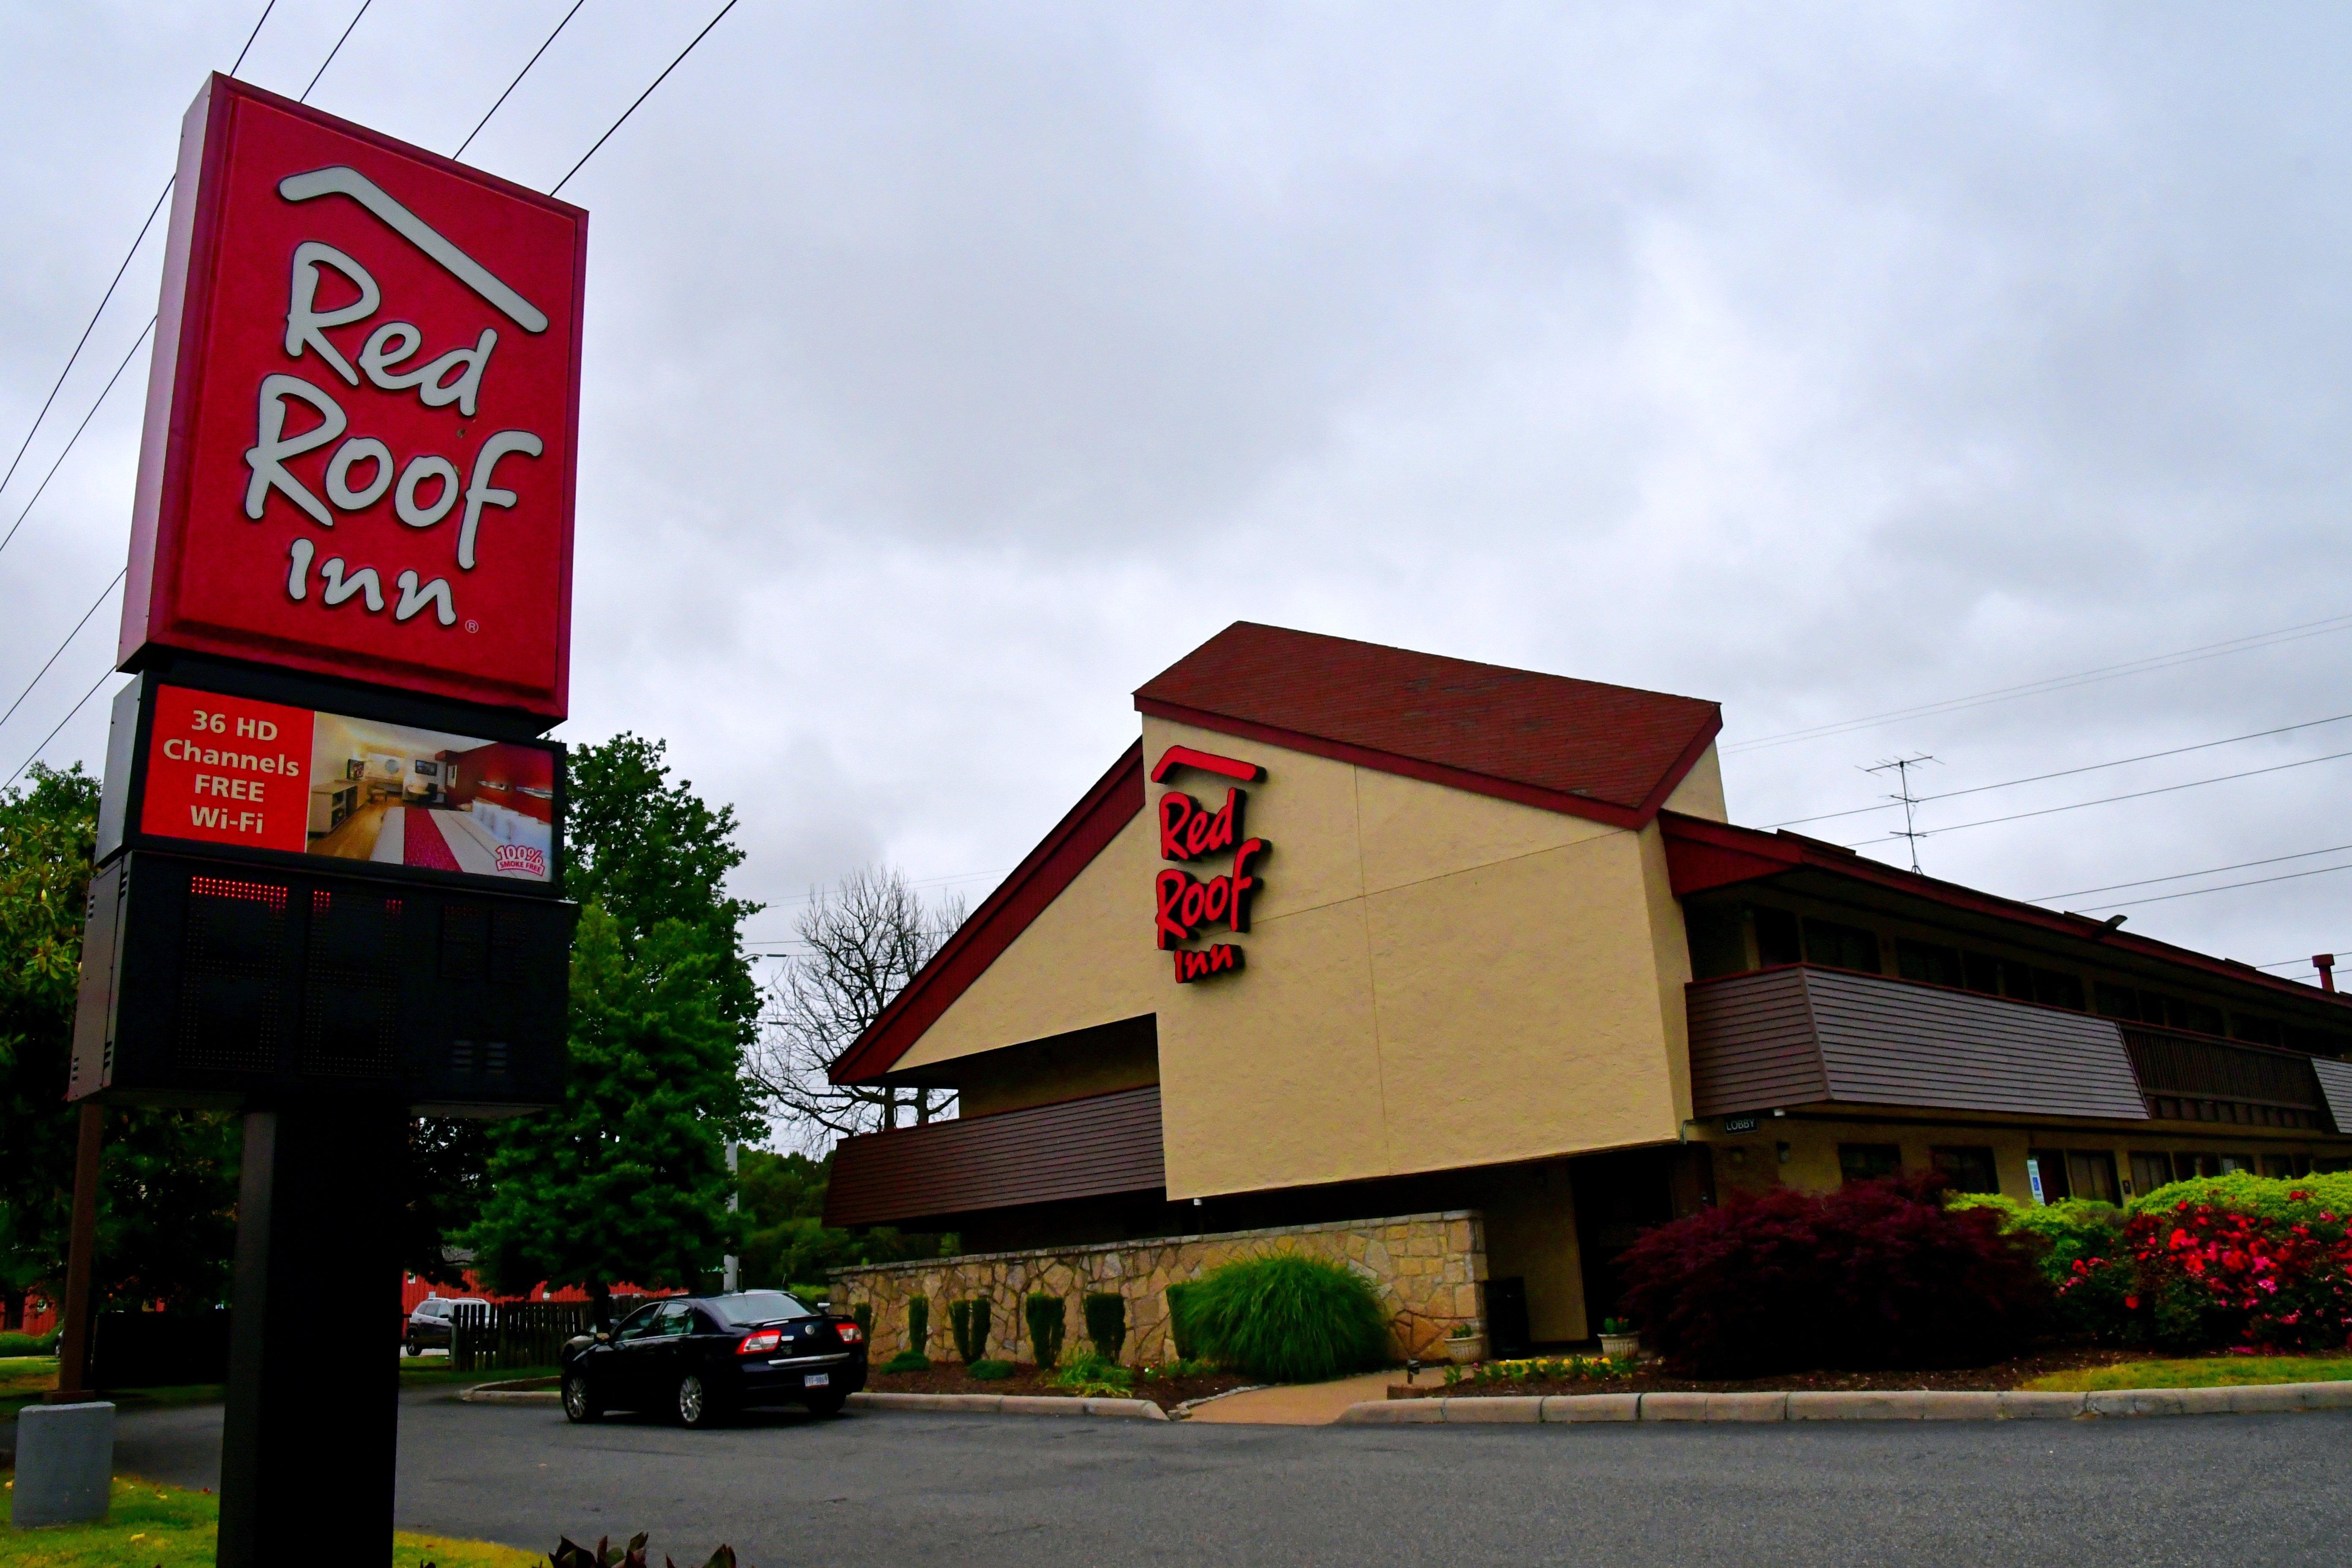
230, 770
362, 417
1190, 831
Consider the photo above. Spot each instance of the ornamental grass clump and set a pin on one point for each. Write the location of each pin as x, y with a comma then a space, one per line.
968, 1324
1048, 1321
1107, 1323
1284, 1319
1879, 1274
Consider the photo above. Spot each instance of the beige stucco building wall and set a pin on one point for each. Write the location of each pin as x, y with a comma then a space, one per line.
1434, 979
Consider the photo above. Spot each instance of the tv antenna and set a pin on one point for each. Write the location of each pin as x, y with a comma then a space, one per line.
1900, 768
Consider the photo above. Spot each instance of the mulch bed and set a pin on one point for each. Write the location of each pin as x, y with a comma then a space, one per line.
1653, 1379
950, 1378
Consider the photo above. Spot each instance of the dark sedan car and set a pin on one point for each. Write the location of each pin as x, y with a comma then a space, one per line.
698, 1358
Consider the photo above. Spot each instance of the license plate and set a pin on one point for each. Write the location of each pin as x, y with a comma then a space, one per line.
817, 1380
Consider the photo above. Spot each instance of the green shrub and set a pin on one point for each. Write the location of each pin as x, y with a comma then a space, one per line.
1048, 1318
918, 1325
2267, 1197
1180, 1327
2082, 1253
813, 1296
990, 1370
967, 1323
13, 1343
1107, 1323
1284, 1319
908, 1361
1089, 1373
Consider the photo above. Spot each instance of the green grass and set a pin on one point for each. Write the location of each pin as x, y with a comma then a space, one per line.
2198, 1371
440, 1374
154, 1526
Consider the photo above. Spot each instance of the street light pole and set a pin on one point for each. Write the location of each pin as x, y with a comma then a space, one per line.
733, 1276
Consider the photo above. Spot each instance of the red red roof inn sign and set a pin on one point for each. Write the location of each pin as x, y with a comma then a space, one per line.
363, 413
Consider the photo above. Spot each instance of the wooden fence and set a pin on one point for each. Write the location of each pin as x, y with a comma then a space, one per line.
503, 1335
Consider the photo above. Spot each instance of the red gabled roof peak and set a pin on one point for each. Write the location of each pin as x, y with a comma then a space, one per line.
1613, 753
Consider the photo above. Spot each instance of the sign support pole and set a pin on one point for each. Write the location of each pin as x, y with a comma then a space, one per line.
310, 1433
73, 1344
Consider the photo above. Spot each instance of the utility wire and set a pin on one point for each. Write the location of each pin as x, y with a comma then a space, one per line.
52, 736
76, 434
2066, 772
477, 130
2054, 683
2184, 876
2136, 794
2223, 887
74, 357
336, 50
673, 65
63, 646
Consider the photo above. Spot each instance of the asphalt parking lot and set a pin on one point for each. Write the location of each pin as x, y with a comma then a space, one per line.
908, 1490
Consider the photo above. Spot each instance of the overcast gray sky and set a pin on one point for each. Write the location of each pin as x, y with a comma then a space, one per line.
951, 370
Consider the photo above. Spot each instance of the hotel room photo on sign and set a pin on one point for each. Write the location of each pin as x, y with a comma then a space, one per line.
231, 770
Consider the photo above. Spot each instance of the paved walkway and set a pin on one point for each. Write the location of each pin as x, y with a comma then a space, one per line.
1305, 1403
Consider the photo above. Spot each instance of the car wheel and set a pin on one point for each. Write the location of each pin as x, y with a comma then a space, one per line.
825, 1404
580, 1400
412, 1347
697, 1406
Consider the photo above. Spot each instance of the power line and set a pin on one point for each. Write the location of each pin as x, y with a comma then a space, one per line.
250, 37
78, 430
2136, 794
673, 65
52, 736
477, 130
336, 50
2223, 887
2056, 683
63, 646
2069, 772
2184, 876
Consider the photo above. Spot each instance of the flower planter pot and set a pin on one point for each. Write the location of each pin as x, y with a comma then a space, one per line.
1464, 1351
1621, 1347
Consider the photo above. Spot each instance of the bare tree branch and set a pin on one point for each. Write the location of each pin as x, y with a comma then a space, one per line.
862, 942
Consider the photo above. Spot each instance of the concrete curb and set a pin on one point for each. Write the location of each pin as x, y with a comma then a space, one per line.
1011, 1404
499, 1394
1875, 1404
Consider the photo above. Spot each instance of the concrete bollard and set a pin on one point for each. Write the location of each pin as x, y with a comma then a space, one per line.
65, 1463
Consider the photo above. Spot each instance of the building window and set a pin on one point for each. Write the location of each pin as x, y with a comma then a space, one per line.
1968, 1169
2055, 988
1718, 940
1776, 937
2197, 1018
2286, 1164
2150, 1171
2049, 1164
1927, 963
1980, 972
2091, 1174
1840, 947
2109, 1001
2237, 1163
1868, 1161
2257, 1031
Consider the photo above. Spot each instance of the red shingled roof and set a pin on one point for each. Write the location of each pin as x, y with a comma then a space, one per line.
1610, 752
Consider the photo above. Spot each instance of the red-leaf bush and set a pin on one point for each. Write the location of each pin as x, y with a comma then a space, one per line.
1879, 1274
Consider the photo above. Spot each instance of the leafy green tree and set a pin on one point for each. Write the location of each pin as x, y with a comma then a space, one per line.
443, 1185
627, 1179
167, 1194
790, 1244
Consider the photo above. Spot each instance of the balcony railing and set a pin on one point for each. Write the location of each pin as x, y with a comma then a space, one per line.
1095, 1147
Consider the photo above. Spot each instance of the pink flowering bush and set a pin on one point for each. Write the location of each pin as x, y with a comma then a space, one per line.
2274, 1275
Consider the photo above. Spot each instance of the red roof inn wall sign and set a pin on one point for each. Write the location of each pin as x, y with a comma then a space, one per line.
362, 417
1190, 832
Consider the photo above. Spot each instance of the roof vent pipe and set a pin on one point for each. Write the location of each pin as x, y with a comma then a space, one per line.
2326, 963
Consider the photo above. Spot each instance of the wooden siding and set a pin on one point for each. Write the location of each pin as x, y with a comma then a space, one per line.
1867, 1039
1094, 1147
1753, 1044
2336, 1084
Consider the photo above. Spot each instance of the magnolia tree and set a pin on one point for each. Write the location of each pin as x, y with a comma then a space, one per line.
859, 944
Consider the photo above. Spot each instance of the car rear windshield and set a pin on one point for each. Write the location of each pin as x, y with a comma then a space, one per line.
755, 1307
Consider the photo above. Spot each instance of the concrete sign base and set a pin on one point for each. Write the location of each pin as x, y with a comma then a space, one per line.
65, 1463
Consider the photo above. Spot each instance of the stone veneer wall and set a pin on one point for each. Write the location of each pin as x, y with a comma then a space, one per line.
1425, 1266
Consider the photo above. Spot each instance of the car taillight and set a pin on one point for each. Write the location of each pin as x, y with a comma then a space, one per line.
761, 1342
850, 1333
